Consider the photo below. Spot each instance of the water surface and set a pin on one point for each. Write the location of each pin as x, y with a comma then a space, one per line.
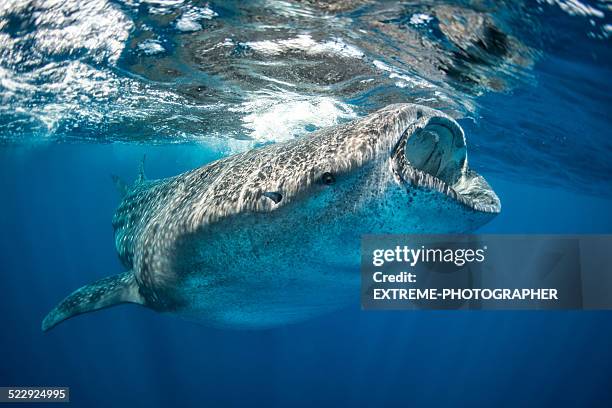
88, 87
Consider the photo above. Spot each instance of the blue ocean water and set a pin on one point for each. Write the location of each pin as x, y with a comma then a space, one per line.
537, 125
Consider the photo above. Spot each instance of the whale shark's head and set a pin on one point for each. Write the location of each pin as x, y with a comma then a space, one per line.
402, 169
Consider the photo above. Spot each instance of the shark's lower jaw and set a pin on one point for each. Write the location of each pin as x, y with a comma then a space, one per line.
432, 154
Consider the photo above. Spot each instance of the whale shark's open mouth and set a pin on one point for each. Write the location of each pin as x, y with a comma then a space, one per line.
432, 154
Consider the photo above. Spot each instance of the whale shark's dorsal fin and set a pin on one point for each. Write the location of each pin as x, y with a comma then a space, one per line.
104, 293
141, 172
122, 187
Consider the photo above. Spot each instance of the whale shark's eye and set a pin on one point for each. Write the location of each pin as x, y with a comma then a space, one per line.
327, 178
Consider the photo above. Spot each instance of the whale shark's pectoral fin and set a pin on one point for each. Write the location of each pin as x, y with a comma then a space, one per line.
104, 293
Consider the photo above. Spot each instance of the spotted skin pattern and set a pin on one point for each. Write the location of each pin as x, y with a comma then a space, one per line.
271, 235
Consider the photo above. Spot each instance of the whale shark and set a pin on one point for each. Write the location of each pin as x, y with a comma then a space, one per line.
272, 235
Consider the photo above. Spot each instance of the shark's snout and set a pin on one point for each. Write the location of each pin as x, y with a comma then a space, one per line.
437, 150
432, 153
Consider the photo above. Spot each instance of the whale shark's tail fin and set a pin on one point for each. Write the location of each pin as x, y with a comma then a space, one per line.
122, 187
104, 293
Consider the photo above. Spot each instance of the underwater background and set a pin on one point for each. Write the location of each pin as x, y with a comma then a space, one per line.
89, 87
